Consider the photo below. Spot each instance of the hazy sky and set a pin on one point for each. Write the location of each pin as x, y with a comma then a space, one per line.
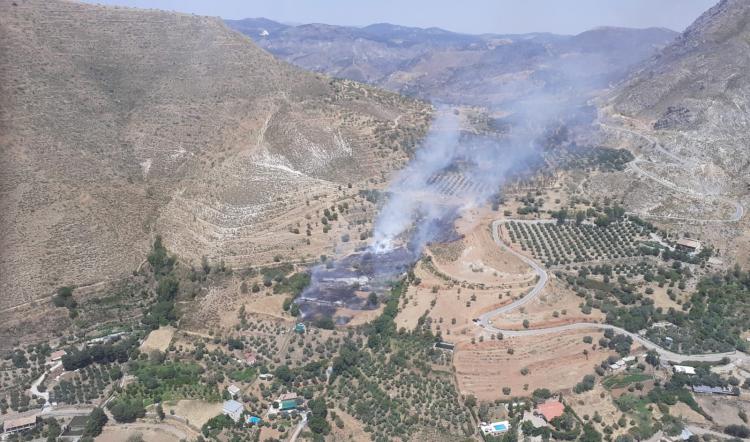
469, 16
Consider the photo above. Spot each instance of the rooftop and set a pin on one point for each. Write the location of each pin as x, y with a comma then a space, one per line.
684, 369
233, 406
288, 396
550, 409
57, 355
19, 422
689, 243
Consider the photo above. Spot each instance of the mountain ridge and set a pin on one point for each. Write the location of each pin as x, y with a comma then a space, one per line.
440, 65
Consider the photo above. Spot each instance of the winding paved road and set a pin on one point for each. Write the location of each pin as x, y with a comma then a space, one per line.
484, 320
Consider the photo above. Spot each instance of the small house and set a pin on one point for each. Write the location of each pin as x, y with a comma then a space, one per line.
684, 369
688, 245
233, 391
233, 409
19, 425
550, 409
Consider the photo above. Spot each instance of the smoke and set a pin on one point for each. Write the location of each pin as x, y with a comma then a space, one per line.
460, 165
454, 170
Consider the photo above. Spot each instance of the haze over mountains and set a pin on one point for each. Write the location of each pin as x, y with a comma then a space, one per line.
458, 68
121, 123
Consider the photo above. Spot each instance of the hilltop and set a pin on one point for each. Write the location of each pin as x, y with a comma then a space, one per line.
121, 123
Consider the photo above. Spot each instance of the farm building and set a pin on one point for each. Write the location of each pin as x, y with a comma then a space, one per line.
19, 425
705, 389
57, 355
622, 363
688, 245
550, 409
686, 369
442, 345
233, 409
495, 428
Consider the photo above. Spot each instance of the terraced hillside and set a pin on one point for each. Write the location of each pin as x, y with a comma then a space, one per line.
116, 124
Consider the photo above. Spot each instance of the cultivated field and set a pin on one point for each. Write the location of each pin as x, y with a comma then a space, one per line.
556, 362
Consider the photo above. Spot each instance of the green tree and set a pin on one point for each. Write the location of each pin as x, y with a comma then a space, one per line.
95, 422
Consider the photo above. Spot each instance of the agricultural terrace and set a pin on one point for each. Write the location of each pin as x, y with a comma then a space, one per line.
555, 243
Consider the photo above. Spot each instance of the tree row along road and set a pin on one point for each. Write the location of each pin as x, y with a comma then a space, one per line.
484, 320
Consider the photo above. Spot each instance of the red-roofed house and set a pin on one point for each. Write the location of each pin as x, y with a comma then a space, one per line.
550, 409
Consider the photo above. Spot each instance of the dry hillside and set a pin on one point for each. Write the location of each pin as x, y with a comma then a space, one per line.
116, 124
684, 113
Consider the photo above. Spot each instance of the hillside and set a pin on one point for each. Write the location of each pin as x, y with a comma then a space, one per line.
684, 113
458, 68
696, 92
118, 124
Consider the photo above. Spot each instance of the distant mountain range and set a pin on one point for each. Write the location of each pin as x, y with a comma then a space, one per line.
450, 67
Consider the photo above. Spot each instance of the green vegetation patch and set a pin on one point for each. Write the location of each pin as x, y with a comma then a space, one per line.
623, 380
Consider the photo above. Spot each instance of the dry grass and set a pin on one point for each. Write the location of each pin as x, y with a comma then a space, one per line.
119, 123
195, 411
554, 361
158, 339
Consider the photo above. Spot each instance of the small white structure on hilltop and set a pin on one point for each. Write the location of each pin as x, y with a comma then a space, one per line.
686, 369
233, 409
495, 428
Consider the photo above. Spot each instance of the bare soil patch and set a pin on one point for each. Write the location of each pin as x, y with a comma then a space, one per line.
556, 362
158, 339
196, 412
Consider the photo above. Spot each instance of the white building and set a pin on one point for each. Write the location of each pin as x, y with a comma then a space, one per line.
686, 369
233, 391
233, 409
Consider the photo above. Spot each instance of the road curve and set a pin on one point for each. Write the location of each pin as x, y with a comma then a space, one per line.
666, 355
